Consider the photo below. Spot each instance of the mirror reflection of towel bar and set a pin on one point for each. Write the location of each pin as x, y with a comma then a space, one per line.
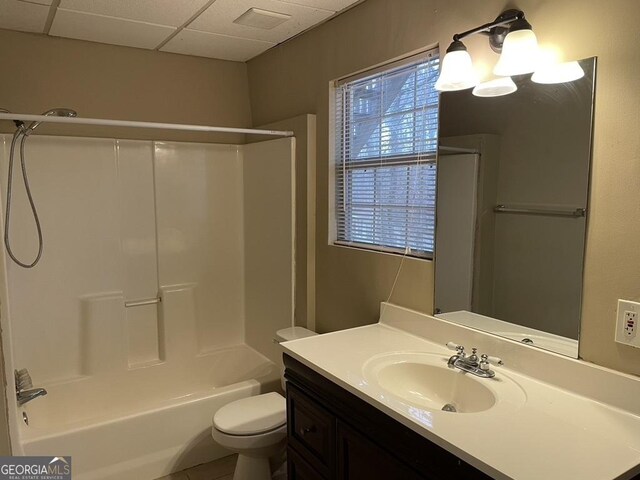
577, 212
139, 303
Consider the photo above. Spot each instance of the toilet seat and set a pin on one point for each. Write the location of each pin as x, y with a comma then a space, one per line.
251, 444
250, 416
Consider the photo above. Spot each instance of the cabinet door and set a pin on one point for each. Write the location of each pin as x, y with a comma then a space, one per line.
311, 430
359, 458
298, 469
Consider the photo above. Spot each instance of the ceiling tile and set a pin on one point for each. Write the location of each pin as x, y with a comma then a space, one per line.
219, 17
202, 44
26, 17
103, 29
161, 12
335, 5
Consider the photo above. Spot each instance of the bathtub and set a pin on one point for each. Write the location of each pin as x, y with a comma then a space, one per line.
146, 422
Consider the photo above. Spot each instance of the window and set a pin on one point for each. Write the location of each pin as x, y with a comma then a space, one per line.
386, 135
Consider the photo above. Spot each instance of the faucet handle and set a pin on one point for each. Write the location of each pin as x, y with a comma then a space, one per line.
456, 347
484, 364
492, 360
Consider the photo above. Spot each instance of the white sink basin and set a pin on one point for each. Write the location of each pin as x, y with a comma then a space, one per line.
425, 381
434, 387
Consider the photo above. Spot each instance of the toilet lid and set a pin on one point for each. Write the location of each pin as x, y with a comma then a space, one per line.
252, 415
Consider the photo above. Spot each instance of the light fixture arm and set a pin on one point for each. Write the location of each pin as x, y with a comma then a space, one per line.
495, 30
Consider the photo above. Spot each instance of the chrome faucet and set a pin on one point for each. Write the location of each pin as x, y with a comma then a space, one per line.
479, 366
28, 395
24, 387
458, 356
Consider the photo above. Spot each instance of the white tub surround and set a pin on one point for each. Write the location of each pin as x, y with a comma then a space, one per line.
146, 313
570, 420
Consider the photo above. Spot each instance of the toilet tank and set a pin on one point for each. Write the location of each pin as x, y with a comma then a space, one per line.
285, 335
293, 333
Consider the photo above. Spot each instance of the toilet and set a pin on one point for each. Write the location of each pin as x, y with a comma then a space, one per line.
256, 427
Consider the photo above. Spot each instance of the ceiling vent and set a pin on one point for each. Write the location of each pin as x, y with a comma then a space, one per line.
258, 18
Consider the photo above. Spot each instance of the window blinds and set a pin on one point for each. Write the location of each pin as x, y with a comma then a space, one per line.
386, 134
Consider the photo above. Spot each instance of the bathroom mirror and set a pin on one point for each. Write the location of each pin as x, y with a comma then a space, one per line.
513, 180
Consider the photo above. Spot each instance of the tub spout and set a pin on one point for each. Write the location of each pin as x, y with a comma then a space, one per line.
28, 395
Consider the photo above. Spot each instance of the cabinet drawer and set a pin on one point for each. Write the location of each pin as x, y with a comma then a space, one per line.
311, 430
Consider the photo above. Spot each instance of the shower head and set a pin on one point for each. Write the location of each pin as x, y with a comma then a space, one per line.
57, 112
61, 112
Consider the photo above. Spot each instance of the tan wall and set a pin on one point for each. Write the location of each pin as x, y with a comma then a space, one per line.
106, 81
293, 78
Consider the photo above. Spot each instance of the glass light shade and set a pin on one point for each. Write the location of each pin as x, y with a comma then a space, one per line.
519, 55
495, 88
457, 72
558, 73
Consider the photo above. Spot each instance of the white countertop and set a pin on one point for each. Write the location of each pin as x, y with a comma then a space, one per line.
554, 434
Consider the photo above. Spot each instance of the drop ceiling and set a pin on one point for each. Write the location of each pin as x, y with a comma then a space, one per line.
205, 28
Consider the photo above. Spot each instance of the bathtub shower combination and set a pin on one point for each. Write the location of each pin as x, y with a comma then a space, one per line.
147, 311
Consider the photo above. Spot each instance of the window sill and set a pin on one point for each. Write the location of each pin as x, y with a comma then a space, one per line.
380, 250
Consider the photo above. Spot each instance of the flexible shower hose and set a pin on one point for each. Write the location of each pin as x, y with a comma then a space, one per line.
25, 178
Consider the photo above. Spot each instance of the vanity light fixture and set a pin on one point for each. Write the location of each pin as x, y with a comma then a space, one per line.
510, 34
558, 73
457, 69
520, 52
495, 88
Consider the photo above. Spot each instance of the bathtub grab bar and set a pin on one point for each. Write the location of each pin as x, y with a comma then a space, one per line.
139, 303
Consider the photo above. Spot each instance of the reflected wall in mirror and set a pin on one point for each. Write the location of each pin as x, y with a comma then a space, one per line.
513, 181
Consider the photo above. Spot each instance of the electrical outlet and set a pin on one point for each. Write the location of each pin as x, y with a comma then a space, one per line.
627, 323
630, 323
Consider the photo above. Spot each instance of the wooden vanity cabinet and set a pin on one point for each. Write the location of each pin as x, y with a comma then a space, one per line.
334, 435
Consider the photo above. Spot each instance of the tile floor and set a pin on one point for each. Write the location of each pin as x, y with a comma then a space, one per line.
221, 469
